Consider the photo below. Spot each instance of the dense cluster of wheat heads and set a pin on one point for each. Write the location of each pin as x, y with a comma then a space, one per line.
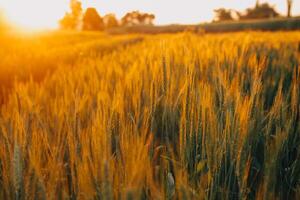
169, 117
35, 55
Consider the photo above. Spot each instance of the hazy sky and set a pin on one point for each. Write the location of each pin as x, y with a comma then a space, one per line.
45, 13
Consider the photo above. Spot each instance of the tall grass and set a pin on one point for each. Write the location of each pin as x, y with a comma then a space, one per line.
170, 117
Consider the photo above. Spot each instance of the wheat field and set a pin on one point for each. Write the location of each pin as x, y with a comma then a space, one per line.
170, 116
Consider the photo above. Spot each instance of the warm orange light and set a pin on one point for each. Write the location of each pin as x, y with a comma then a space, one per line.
46, 13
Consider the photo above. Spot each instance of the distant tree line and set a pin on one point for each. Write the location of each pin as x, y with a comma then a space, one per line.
259, 11
90, 19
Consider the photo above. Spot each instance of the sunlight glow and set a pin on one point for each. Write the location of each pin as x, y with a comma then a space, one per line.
46, 13
34, 14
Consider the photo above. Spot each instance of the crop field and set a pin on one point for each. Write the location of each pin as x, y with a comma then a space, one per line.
272, 24
167, 116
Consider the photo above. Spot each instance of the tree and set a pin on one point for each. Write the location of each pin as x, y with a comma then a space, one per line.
137, 18
130, 19
223, 14
92, 20
260, 11
257, 3
146, 19
76, 8
289, 8
110, 21
67, 22
72, 20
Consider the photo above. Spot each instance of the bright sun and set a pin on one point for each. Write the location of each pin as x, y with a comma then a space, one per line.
34, 14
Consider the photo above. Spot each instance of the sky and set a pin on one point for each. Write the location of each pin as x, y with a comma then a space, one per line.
46, 13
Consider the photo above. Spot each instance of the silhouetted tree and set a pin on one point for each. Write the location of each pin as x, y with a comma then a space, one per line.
130, 19
146, 19
72, 20
137, 18
223, 14
257, 3
289, 8
110, 21
260, 11
92, 20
